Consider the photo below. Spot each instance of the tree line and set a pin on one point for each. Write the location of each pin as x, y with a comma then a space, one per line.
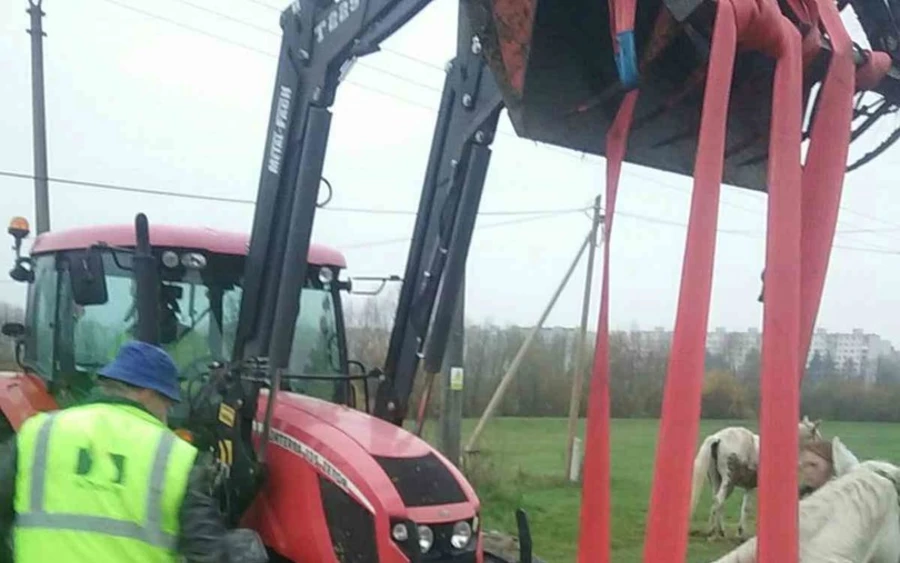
542, 386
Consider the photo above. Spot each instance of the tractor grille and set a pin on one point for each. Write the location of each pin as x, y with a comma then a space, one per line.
351, 526
422, 481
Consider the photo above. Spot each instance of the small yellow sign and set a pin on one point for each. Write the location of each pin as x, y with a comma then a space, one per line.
457, 375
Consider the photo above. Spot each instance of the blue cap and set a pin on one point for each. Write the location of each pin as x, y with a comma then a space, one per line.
147, 366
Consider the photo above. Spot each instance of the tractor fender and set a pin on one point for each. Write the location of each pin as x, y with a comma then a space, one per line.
23, 395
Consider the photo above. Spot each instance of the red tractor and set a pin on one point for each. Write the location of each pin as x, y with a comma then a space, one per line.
340, 485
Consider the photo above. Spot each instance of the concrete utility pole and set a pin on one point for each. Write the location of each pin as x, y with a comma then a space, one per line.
578, 379
39, 132
452, 379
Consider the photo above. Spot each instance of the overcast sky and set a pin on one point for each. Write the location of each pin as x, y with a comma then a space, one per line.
138, 99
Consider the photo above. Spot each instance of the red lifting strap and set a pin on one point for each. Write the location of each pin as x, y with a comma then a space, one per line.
780, 404
593, 540
762, 26
667, 526
794, 284
823, 174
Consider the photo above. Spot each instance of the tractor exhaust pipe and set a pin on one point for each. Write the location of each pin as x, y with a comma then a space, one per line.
145, 278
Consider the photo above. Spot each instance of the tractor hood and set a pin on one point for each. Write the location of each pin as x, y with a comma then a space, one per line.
373, 461
377, 437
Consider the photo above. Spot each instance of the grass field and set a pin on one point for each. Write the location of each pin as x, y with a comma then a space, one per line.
522, 460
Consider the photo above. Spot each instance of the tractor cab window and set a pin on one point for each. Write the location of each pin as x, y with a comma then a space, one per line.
190, 317
41, 320
198, 316
316, 347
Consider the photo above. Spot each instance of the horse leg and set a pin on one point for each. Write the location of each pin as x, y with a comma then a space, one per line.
725, 490
746, 503
715, 483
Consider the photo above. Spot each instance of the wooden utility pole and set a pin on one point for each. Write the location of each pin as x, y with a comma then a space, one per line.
452, 383
578, 377
520, 355
39, 129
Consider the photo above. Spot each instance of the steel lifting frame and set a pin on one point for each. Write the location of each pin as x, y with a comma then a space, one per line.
320, 42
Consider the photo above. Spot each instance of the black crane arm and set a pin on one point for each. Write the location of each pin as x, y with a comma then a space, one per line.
320, 38
451, 193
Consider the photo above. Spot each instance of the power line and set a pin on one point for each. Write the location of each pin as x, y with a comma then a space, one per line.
531, 215
271, 31
224, 199
369, 211
398, 240
583, 158
230, 18
120, 188
188, 27
251, 48
626, 214
752, 234
264, 5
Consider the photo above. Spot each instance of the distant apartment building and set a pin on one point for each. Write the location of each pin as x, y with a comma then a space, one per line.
657, 340
856, 349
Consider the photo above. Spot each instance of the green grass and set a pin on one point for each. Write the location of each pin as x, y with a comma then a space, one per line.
521, 464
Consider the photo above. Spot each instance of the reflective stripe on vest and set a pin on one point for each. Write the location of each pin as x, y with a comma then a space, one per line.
151, 532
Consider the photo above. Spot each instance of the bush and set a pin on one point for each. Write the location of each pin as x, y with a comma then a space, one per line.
724, 397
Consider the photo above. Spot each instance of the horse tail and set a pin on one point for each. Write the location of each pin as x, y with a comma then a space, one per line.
701, 469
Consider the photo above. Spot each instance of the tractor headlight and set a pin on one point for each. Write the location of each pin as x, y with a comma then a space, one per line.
462, 535
426, 538
400, 533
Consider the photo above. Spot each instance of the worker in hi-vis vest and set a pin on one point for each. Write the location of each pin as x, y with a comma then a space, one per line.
107, 481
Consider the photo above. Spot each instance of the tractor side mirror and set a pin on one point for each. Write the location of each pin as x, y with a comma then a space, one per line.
88, 278
13, 330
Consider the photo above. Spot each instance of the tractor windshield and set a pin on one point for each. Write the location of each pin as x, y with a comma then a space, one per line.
198, 320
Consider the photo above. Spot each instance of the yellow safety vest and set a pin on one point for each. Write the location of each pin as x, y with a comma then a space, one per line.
99, 483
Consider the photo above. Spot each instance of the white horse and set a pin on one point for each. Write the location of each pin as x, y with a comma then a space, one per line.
729, 459
854, 518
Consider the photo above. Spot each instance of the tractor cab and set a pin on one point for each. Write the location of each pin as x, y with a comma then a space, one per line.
82, 307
